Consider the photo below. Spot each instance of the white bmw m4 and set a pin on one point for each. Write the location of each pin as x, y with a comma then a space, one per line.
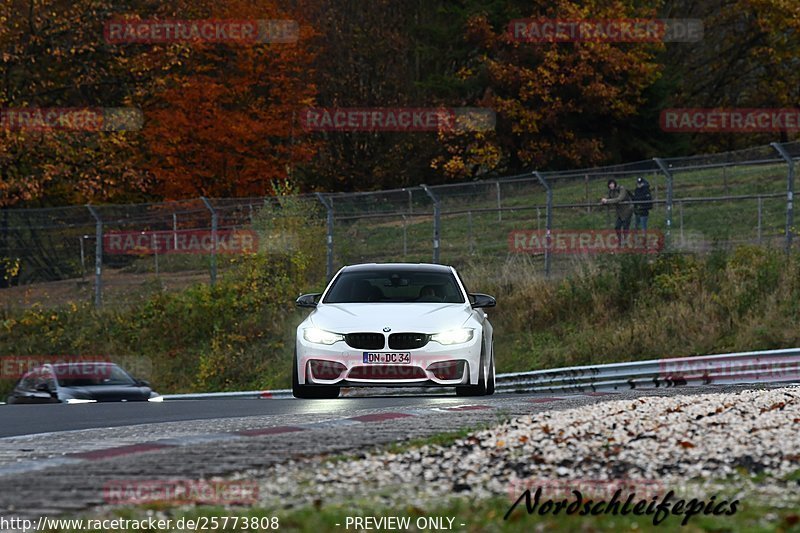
394, 324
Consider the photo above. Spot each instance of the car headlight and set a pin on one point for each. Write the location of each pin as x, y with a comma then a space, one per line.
79, 400
454, 336
320, 336
155, 398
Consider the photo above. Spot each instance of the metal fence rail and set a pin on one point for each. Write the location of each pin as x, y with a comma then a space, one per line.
699, 202
769, 366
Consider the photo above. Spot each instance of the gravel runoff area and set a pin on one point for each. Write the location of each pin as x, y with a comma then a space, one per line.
747, 442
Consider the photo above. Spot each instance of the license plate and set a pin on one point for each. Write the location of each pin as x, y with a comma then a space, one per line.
394, 358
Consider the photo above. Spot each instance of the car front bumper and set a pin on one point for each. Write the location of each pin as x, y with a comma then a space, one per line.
434, 365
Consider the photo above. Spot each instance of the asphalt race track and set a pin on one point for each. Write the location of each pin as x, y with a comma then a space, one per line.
59, 457
31, 419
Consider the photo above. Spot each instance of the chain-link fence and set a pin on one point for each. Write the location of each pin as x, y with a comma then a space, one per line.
116, 254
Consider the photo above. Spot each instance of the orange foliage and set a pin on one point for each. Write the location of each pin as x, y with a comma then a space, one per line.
225, 125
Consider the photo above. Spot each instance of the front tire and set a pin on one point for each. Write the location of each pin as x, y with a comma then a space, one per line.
306, 392
485, 384
491, 381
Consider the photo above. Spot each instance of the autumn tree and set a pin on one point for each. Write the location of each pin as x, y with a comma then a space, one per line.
52, 54
390, 53
224, 125
748, 58
558, 103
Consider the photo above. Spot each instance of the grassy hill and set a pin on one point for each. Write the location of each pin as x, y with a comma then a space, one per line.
703, 296
239, 334
473, 229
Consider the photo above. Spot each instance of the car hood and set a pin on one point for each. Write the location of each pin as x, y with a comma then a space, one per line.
108, 393
401, 317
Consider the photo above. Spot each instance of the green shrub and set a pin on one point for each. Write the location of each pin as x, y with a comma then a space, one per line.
637, 307
233, 335
239, 334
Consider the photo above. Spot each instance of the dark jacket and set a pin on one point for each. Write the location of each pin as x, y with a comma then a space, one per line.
643, 200
620, 199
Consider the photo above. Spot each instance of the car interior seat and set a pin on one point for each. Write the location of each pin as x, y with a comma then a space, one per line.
430, 293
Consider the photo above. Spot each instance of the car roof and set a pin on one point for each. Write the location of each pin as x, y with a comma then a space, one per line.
419, 267
87, 363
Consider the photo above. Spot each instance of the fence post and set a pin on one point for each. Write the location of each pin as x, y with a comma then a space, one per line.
83, 259
213, 239
588, 200
405, 237
725, 178
98, 257
548, 224
436, 221
328, 204
789, 193
175, 231
760, 211
154, 244
469, 231
668, 175
499, 204
655, 187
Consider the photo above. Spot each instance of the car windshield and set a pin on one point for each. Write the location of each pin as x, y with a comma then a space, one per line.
88, 374
394, 286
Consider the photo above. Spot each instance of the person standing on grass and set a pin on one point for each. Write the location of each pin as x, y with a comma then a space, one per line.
621, 199
642, 203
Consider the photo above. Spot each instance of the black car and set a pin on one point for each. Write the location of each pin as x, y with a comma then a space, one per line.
84, 382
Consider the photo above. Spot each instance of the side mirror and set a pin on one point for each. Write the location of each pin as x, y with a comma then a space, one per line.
308, 300
43, 387
482, 300
143, 383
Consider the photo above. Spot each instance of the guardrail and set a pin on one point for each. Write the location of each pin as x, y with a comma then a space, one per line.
769, 366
